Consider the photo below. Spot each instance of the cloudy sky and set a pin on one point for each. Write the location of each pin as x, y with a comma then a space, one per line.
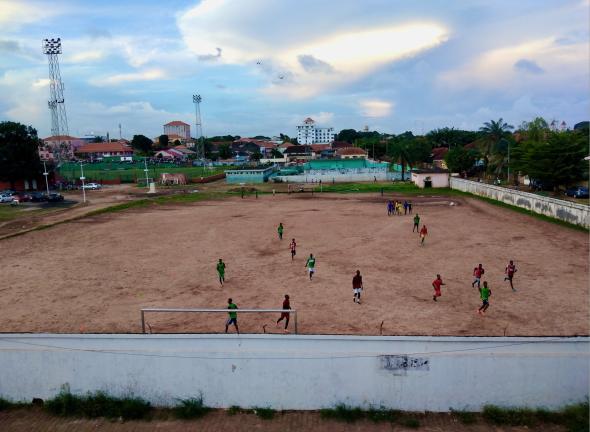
262, 66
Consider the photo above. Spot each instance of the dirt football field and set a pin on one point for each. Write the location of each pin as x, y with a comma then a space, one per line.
94, 275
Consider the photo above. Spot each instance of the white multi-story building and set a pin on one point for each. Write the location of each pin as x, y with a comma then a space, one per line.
308, 133
178, 128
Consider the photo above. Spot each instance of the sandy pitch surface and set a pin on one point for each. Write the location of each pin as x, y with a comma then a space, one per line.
93, 275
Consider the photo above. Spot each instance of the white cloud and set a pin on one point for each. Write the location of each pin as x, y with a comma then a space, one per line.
300, 64
495, 69
42, 82
17, 13
375, 108
146, 75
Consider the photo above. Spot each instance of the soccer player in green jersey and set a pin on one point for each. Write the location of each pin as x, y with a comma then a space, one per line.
221, 271
484, 293
416, 224
310, 264
280, 231
233, 316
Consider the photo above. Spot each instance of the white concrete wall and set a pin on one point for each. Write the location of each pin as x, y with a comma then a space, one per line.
302, 372
338, 177
567, 211
438, 180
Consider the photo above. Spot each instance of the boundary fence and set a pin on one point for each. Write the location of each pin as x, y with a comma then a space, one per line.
182, 310
574, 213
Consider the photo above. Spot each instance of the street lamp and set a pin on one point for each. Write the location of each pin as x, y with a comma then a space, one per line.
82, 178
45, 173
146, 172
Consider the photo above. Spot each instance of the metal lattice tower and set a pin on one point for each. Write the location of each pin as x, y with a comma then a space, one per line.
198, 127
56, 103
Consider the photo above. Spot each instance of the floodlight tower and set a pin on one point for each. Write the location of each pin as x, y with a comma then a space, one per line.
56, 103
198, 126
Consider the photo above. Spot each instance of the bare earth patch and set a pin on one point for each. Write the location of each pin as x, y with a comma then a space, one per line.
94, 274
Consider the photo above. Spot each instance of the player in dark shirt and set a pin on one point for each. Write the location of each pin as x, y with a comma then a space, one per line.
285, 315
357, 287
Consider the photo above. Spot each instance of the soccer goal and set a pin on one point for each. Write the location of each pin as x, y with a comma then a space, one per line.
292, 312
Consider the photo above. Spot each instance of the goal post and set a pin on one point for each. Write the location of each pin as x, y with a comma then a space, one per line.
237, 311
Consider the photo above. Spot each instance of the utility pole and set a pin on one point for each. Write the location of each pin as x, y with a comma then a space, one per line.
82, 178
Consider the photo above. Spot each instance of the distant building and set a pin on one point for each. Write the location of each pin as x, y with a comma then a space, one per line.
431, 178
309, 133
102, 150
55, 141
351, 153
178, 128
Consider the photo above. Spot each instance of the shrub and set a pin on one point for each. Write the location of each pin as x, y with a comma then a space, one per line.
509, 416
382, 415
233, 410
343, 412
411, 423
465, 417
575, 417
264, 413
191, 408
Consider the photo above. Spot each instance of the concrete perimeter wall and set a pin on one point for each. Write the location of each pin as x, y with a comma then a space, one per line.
571, 212
302, 371
338, 177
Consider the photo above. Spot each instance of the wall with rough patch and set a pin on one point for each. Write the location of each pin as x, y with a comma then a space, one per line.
577, 214
302, 371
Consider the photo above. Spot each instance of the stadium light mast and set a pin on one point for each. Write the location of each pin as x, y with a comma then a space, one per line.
198, 126
56, 103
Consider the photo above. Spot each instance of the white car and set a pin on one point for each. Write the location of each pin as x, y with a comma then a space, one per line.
6, 198
92, 186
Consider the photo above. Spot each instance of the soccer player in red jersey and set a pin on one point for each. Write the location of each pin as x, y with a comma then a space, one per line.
293, 247
357, 287
510, 270
423, 234
477, 274
285, 315
437, 283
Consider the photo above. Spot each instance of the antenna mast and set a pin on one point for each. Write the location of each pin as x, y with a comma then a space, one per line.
56, 103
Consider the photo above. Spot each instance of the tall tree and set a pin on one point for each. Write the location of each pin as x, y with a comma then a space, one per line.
460, 159
348, 135
451, 137
142, 144
163, 141
225, 151
19, 152
97, 139
558, 160
493, 133
409, 150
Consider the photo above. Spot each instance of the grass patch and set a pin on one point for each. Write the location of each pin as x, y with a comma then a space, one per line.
98, 404
465, 417
191, 408
399, 187
264, 413
6, 404
575, 417
343, 412
509, 416
129, 173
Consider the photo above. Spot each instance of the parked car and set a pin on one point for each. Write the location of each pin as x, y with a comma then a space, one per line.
92, 186
541, 185
38, 197
5, 198
577, 192
55, 197
22, 196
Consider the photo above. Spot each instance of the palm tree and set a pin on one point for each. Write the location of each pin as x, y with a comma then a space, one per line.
493, 133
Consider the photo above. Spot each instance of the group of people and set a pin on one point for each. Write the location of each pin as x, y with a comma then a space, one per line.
396, 207
393, 207
484, 290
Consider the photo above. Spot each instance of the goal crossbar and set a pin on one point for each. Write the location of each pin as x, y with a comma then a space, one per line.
197, 310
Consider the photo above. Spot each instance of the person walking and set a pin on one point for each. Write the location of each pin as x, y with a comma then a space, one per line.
510, 270
357, 287
405, 207
416, 223
285, 315
423, 234
437, 283
410, 207
221, 271
233, 316
310, 264
389, 208
484, 294
477, 274
293, 247
280, 231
